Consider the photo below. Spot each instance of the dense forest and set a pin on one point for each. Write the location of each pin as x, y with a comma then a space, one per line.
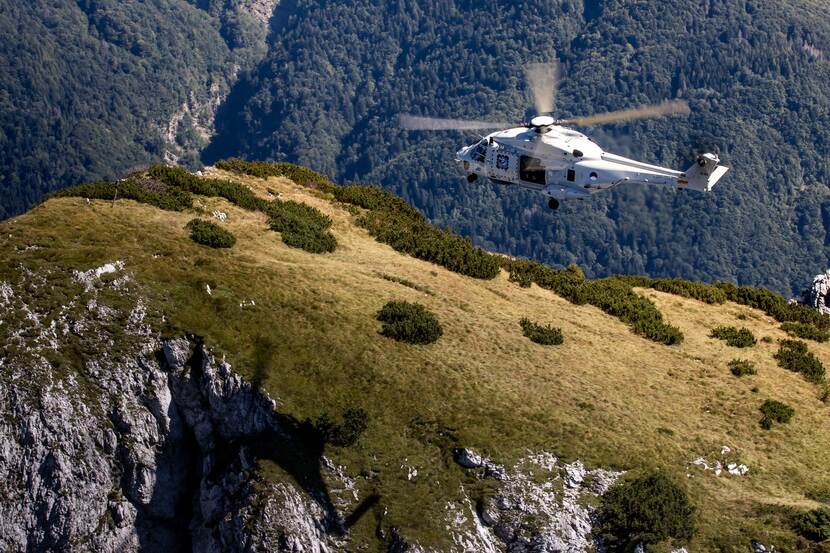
95, 94
753, 72
93, 88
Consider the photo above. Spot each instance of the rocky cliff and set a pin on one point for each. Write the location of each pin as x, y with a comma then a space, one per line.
154, 445
150, 446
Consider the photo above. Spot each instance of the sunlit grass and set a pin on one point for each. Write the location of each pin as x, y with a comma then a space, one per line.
311, 340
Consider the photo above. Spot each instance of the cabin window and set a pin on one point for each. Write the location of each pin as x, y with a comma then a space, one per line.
502, 162
531, 170
571, 175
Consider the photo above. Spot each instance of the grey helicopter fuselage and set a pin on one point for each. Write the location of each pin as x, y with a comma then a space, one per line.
565, 164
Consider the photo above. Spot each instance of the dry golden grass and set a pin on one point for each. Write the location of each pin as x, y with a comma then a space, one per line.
605, 396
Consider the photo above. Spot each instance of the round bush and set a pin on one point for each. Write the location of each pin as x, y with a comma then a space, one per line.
775, 411
735, 337
742, 367
210, 234
544, 335
648, 510
409, 322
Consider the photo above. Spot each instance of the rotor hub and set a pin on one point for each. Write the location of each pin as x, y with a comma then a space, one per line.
542, 121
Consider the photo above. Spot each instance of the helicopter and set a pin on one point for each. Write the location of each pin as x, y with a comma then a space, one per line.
545, 155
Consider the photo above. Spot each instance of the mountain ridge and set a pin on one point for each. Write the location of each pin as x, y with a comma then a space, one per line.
301, 327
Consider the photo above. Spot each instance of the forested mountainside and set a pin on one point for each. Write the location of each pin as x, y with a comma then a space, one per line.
98, 86
754, 74
92, 88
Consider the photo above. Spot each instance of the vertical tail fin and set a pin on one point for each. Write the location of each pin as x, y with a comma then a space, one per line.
704, 174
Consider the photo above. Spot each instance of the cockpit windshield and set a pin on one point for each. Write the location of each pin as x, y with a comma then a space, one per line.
480, 151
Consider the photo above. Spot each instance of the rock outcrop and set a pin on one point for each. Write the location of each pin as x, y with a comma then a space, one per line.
146, 446
114, 440
818, 294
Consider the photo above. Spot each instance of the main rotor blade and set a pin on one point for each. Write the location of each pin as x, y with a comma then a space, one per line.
542, 78
673, 107
418, 123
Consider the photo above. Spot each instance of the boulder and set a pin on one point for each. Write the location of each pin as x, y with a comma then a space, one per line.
467, 458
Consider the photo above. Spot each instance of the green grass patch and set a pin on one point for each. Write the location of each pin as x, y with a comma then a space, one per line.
775, 411
649, 509
392, 221
734, 337
820, 494
794, 355
742, 367
546, 335
807, 331
210, 234
409, 322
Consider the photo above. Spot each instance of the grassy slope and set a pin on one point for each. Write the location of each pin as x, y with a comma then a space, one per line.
312, 342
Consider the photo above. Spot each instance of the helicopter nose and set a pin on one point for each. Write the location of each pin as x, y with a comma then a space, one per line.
463, 154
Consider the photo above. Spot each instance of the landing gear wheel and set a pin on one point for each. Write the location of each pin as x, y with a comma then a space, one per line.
553, 203
472, 177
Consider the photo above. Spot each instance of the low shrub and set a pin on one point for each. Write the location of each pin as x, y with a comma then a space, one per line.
742, 367
774, 305
301, 225
814, 525
210, 234
794, 355
390, 221
544, 335
648, 510
689, 289
806, 331
735, 337
409, 322
346, 433
576, 271
262, 169
775, 411
680, 287
612, 295
236, 193
151, 193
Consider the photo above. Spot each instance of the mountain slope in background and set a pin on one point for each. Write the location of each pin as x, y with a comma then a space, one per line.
90, 89
753, 73
94, 87
138, 369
